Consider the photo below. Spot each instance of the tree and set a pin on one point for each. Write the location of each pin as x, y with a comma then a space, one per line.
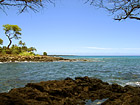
45, 53
23, 5
12, 32
122, 9
1, 41
31, 49
21, 43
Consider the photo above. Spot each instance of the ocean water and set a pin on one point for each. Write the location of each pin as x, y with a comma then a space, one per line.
124, 70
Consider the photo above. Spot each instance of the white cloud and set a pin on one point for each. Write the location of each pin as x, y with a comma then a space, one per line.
98, 48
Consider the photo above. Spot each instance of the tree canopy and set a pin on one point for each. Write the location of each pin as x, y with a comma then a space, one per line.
12, 32
122, 9
1, 41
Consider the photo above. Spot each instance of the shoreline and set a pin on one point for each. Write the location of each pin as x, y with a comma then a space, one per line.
41, 58
18, 58
78, 91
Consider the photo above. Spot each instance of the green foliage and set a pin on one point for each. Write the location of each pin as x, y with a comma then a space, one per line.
45, 53
3, 52
4, 47
14, 28
24, 48
8, 51
37, 55
31, 49
15, 51
1, 41
32, 53
27, 54
12, 32
21, 43
1, 49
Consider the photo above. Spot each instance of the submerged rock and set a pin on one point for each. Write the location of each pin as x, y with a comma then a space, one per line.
72, 92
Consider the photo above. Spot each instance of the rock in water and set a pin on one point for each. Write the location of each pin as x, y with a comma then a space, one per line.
71, 92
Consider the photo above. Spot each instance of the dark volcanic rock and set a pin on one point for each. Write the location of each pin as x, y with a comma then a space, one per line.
71, 92
11, 99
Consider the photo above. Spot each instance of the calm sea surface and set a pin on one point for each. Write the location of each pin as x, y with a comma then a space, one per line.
124, 70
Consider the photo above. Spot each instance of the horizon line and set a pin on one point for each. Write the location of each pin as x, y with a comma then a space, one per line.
87, 55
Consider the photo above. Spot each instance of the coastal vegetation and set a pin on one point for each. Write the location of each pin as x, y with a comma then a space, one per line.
45, 53
20, 52
1, 41
14, 32
78, 91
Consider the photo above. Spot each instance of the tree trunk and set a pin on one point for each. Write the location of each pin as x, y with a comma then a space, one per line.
9, 43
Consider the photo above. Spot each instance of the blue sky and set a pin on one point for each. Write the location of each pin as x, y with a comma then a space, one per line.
72, 27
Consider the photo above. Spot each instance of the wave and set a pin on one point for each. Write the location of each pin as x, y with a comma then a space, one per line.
137, 84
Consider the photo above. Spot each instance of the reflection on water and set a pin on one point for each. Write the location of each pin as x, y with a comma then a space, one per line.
95, 102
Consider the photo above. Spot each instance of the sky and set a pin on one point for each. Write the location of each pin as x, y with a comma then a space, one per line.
74, 28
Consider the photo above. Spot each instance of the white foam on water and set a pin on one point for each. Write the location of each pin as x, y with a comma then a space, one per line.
4, 62
133, 84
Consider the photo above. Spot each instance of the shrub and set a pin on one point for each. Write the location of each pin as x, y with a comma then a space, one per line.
37, 55
44, 53
1, 49
3, 52
15, 51
32, 53
1, 41
26, 54
8, 51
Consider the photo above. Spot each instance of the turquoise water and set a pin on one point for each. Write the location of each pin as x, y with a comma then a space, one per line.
124, 70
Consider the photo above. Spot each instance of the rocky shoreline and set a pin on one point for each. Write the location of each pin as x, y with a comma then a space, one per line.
18, 58
72, 92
